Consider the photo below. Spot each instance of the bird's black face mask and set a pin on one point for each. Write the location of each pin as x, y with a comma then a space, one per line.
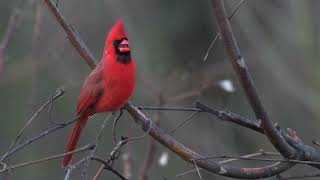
123, 50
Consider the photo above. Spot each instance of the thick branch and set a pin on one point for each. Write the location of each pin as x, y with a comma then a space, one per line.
245, 79
189, 155
305, 152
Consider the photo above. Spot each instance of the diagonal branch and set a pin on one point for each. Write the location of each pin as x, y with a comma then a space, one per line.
35, 138
58, 94
72, 35
239, 65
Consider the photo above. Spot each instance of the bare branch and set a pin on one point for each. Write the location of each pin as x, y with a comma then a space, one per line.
72, 167
108, 167
72, 35
114, 136
35, 138
29, 163
263, 159
232, 117
187, 154
97, 142
218, 35
182, 123
111, 157
260, 153
239, 65
198, 171
306, 152
58, 94
147, 108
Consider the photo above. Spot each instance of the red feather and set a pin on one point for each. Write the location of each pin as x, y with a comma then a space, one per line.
108, 87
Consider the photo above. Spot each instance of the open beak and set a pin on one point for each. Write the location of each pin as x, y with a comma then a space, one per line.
124, 46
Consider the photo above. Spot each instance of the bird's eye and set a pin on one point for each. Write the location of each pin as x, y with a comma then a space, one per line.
116, 43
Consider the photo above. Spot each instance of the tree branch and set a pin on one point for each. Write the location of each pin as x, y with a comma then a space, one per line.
58, 94
73, 36
189, 155
239, 65
232, 117
29, 163
35, 138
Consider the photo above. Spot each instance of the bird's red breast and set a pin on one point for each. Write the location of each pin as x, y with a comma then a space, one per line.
108, 87
111, 83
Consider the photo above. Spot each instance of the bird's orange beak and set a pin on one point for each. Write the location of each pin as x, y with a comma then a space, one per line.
124, 46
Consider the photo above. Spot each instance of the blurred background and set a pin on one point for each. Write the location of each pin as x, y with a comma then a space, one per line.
279, 40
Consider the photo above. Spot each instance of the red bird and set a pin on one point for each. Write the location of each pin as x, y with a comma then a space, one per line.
109, 85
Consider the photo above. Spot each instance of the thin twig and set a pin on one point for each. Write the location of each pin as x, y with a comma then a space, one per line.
42, 160
184, 122
108, 167
72, 167
58, 94
195, 164
218, 35
114, 136
118, 147
111, 157
147, 108
35, 138
97, 141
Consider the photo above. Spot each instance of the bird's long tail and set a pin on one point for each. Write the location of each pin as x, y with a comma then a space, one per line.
74, 139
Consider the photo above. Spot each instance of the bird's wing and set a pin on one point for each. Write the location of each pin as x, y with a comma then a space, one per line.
91, 91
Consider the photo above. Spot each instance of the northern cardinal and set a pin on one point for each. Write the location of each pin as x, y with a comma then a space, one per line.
108, 87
